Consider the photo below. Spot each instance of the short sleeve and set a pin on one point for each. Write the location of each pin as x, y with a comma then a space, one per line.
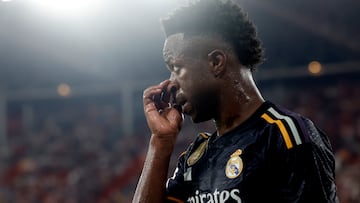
175, 190
305, 172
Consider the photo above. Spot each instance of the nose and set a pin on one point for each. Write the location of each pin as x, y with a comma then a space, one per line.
173, 85
172, 76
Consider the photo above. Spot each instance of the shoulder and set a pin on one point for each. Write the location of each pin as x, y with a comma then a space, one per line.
200, 139
293, 129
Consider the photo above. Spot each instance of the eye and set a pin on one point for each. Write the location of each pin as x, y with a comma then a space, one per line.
175, 68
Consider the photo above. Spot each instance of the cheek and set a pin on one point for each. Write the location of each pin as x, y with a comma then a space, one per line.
191, 80
182, 73
185, 79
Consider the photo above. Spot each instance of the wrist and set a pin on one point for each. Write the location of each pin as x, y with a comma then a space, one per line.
162, 145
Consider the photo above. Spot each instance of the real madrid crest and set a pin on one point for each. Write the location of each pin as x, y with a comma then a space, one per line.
235, 165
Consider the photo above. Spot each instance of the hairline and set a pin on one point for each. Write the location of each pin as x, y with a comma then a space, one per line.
204, 42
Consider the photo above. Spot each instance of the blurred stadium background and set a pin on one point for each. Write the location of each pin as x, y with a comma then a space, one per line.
72, 75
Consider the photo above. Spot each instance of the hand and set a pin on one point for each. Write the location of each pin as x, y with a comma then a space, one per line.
164, 117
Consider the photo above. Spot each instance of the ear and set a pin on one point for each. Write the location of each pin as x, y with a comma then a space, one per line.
217, 61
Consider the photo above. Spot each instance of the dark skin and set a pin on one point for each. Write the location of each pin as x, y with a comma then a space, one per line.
208, 84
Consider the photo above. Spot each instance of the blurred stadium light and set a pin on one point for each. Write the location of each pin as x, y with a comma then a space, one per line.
64, 90
68, 8
315, 68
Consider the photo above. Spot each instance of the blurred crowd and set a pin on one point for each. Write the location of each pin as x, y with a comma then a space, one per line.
70, 153
77, 152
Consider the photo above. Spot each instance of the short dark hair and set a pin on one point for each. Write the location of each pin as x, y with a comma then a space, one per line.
217, 18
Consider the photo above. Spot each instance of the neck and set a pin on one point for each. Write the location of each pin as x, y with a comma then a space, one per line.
240, 100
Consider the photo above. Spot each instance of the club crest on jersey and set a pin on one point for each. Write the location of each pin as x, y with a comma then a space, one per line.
235, 165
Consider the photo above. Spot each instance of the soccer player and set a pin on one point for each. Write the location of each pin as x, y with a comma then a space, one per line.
260, 151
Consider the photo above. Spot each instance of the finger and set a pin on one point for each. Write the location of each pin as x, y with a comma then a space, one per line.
162, 100
154, 115
169, 93
175, 118
157, 100
165, 96
164, 84
148, 94
152, 97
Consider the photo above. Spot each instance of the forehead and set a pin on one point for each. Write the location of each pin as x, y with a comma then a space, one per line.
174, 45
179, 45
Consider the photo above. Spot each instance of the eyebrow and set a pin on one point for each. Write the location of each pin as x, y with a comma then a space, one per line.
167, 57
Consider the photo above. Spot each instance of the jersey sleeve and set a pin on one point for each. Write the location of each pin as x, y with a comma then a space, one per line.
303, 172
321, 161
175, 190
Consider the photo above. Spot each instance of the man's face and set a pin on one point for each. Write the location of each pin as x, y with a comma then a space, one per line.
190, 73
